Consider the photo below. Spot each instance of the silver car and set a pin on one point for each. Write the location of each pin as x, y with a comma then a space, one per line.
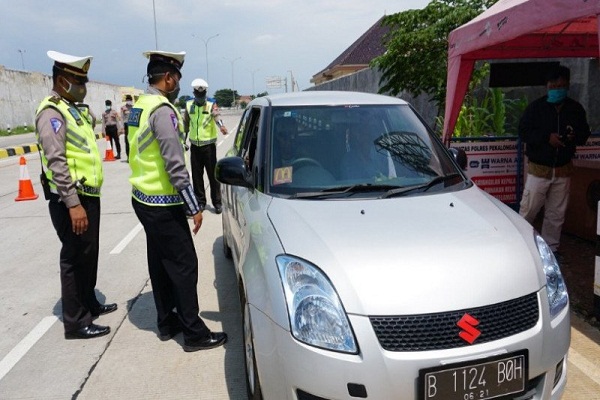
370, 266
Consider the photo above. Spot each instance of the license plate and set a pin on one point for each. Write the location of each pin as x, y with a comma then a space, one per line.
490, 378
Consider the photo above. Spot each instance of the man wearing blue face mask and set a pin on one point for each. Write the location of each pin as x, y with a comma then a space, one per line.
551, 127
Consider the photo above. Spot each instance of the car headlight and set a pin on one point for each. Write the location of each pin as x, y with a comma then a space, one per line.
555, 283
316, 314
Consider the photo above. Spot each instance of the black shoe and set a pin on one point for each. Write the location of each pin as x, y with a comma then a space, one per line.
118, 157
104, 309
218, 209
214, 339
173, 330
88, 332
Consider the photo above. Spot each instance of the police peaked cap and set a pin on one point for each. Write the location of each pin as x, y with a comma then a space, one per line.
164, 57
75, 65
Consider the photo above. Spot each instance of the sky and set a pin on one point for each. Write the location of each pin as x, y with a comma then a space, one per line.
247, 42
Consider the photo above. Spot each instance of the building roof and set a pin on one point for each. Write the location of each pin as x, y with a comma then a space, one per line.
364, 49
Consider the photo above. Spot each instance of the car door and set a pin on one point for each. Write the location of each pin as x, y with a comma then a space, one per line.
238, 196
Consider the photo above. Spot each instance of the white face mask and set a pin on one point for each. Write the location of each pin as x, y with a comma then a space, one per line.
129, 103
108, 108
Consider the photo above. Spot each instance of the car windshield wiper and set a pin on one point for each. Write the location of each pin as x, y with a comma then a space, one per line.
360, 188
424, 187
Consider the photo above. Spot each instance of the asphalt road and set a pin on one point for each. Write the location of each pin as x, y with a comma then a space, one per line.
37, 363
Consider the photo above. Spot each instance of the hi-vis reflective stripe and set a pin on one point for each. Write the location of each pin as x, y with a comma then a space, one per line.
157, 199
89, 190
147, 138
202, 142
207, 121
77, 141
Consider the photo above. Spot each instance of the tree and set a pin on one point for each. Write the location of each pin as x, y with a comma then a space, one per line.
224, 97
417, 47
182, 100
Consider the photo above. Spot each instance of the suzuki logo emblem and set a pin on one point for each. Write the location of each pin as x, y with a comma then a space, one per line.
469, 333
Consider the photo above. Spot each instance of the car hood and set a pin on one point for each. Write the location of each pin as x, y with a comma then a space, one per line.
413, 255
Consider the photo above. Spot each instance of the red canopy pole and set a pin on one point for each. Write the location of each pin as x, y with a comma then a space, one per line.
459, 75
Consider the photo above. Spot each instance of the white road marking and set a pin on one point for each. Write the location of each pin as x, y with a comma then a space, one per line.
228, 135
123, 243
12, 358
584, 365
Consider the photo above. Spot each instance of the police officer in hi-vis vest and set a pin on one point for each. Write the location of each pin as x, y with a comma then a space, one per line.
73, 178
200, 120
162, 199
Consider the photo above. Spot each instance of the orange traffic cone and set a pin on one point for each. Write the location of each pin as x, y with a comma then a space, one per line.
109, 155
25, 186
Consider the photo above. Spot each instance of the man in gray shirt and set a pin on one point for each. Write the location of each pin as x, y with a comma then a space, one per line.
163, 197
73, 178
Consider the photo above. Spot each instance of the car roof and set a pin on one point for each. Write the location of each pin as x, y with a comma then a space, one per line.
326, 98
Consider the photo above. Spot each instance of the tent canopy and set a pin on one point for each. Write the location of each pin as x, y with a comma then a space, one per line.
513, 29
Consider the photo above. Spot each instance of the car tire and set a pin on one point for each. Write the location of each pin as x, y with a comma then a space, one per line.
226, 248
252, 381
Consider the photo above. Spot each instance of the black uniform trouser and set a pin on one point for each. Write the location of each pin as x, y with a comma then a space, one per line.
78, 262
173, 268
126, 139
205, 157
113, 133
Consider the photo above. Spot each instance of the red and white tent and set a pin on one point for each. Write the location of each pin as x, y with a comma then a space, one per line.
513, 29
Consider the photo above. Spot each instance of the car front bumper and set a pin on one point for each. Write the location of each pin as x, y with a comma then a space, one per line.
287, 367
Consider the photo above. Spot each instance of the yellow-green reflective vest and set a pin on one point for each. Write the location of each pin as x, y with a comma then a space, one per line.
203, 130
149, 178
81, 149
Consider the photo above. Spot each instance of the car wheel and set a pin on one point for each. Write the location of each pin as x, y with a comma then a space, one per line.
252, 381
226, 248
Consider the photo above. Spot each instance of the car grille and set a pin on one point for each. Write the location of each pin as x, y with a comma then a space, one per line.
439, 331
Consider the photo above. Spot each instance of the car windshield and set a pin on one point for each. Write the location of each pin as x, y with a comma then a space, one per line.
366, 151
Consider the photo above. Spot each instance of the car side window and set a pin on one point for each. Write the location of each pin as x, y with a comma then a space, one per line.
241, 131
250, 137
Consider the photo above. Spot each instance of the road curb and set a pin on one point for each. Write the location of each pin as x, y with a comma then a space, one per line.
27, 148
18, 150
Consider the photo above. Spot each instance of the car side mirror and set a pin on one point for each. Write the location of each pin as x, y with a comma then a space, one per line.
460, 156
232, 171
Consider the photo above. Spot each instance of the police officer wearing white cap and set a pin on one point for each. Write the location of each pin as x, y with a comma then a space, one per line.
201, 119
72, 180
162, 197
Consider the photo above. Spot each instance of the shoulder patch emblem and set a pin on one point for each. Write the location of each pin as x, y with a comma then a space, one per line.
175, 121
56, 124
134, 117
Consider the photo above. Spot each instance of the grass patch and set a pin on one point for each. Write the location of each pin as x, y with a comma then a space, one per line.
18, 130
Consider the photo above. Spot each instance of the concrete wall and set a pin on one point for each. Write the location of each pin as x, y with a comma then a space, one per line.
21, 93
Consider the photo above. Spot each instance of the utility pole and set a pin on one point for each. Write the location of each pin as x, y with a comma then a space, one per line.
292, 81
155, 32
232, 79
206, 52
22, 60
253, 72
